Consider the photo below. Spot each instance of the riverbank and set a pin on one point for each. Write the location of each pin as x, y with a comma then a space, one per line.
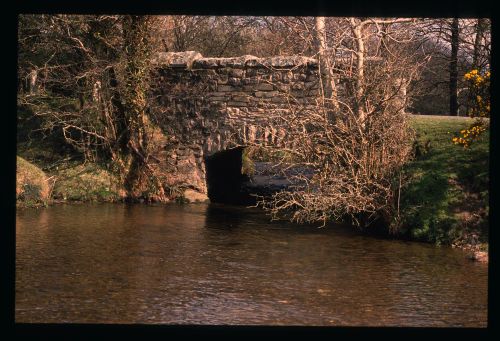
446, 197
68, 179
63, 179
445, 200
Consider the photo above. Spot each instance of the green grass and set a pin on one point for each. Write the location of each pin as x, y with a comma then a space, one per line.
446, 195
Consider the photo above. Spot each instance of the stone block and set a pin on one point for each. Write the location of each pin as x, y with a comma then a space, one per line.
264, 87
254, 63
311, 85
279, 99
297, 94
311, 77
205, 73
225, 88
236, 104
216, 93
251, 72
266, 94
299, 77
306, 100
237, 98
218, 99
236, 73
232, 111
222, 79
240, 62
282, 87
312, 64
276, 77
234, 81
287, 76
250, 80
286, 61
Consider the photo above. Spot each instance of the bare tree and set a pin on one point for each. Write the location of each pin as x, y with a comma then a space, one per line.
347, 160
212, 36
471, 48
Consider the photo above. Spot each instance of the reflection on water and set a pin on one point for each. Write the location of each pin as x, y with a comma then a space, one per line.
212, 264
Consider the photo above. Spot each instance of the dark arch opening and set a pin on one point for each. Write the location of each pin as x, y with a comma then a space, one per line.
225, 179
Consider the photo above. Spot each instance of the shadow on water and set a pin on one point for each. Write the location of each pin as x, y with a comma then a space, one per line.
217, 213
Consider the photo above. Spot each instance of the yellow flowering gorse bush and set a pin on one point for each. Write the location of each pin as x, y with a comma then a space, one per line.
479, 93
479, 107
470, 134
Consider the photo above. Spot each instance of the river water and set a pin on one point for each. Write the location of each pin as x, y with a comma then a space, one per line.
215, 264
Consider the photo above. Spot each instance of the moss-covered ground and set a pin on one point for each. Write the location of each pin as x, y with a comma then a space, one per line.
72, 179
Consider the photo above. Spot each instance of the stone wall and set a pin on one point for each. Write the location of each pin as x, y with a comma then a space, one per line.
206, 105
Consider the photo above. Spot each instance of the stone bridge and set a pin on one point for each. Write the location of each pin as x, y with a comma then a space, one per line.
209, 108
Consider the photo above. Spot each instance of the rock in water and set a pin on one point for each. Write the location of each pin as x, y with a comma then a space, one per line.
194, 196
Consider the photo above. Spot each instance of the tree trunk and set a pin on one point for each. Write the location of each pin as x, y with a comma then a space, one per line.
357, 30
140, 180
326, 74
454, 68
480, 28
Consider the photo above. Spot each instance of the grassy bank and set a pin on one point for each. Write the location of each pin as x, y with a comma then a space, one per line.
446, 197
69, 178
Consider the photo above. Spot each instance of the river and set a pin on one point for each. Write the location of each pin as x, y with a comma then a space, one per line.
229, 265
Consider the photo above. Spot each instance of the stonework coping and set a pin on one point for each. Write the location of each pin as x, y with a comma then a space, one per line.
234, 62
288, 61
177, 59
194, 60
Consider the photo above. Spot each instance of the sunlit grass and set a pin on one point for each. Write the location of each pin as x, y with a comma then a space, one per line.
447, 190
